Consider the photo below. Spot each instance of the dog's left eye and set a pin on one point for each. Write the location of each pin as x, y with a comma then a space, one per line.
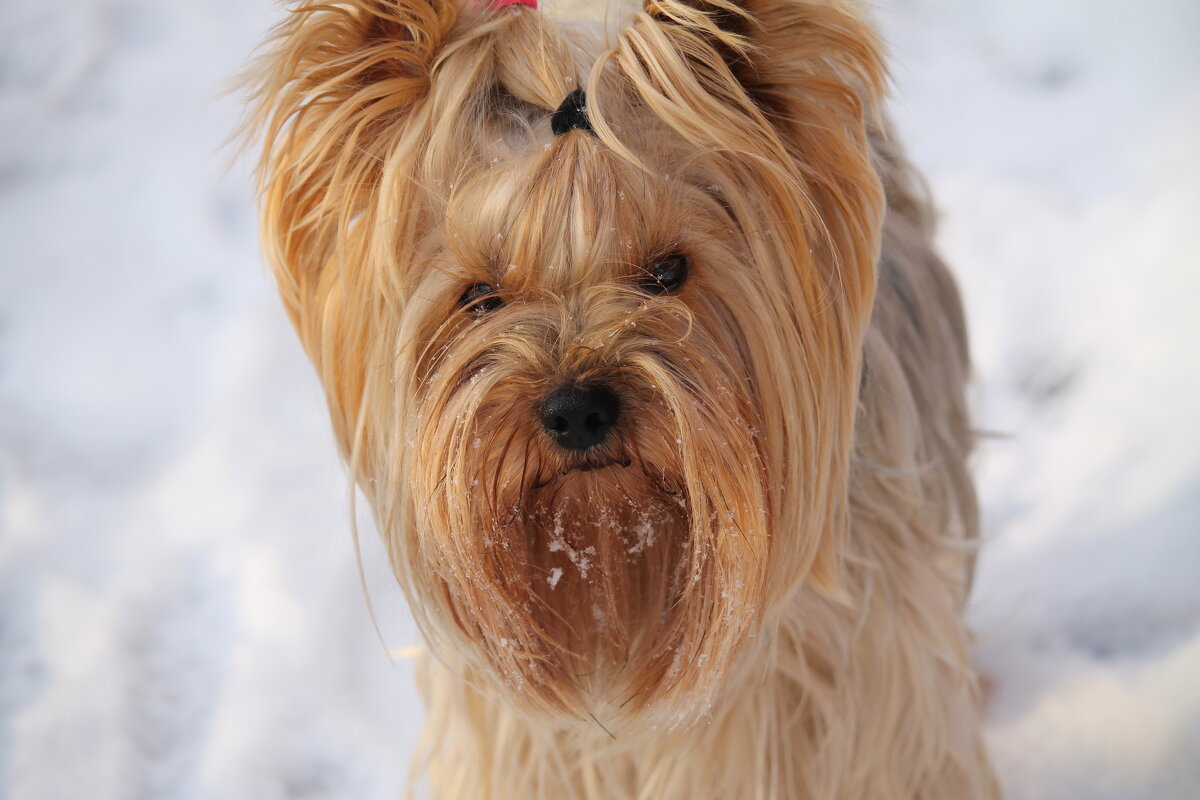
665, 275
480, 298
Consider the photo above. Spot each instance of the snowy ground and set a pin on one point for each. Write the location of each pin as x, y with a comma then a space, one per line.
180, 615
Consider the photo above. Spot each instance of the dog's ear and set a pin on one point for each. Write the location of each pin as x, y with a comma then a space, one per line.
325, 97
785, 87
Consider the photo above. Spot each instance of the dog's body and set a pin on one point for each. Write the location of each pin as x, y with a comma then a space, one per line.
668, 458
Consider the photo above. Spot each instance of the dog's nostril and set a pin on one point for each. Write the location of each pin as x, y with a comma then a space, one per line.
579, 417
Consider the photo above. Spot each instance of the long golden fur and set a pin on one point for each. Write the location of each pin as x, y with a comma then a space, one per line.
754, 588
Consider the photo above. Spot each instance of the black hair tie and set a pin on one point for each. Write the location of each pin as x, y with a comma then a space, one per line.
571, 114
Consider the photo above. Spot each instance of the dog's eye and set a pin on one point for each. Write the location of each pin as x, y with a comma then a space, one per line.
665, 275
480, 298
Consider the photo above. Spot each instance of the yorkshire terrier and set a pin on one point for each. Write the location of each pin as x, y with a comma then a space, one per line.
644, 359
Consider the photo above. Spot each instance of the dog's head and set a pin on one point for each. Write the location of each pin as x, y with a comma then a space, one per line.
596, 370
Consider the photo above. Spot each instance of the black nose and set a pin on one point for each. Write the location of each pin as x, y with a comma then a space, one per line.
579, 417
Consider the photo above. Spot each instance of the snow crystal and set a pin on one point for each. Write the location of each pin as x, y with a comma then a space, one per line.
582, 559
644, 530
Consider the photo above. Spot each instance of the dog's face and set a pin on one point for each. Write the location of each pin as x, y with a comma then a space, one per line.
599, 386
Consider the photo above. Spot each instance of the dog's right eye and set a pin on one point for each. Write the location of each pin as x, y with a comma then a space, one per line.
665, 275
480, 298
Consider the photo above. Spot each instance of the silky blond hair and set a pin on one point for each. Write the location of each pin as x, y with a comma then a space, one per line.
754, 588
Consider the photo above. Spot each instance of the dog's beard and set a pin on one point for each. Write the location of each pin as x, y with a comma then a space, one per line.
620, 582
606, 552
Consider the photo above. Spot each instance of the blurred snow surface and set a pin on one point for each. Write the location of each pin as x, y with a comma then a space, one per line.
180, 612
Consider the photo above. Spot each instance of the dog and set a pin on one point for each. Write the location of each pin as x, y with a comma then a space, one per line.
643, 357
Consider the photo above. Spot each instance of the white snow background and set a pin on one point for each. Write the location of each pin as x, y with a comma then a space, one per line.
180, 612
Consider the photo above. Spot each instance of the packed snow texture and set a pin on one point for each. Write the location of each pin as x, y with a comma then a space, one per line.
180, 610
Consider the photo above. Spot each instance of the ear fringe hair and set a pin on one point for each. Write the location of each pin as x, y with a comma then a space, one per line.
782, 97
331, 82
